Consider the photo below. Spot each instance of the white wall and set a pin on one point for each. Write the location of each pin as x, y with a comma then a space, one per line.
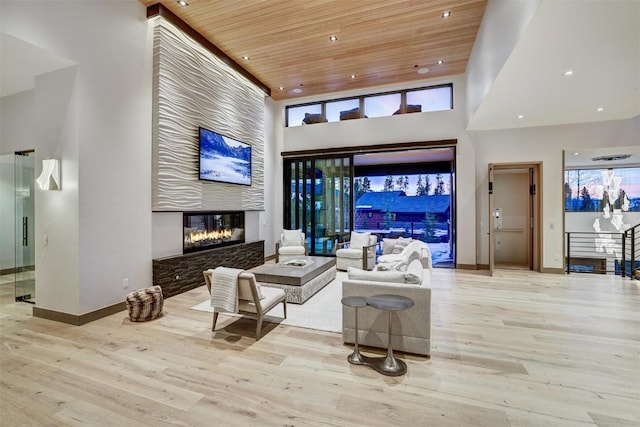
416, 127
543, 144
270, 221
502, 24
104, 139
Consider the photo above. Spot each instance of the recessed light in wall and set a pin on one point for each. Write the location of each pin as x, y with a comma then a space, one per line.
600, 109
281, 88
440, 61
333, 38
520, 116
296, 90
182, 3
568, 73
423, 70
353, 76
446, 14
246, 58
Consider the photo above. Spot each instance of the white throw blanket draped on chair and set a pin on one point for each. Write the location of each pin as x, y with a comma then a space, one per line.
224, 289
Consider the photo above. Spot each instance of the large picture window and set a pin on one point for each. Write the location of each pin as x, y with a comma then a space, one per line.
602, 190
418, 100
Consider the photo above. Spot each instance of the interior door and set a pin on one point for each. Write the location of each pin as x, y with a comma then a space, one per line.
526, 222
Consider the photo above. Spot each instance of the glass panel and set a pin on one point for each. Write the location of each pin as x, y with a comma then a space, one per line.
435, 99
24, 222
334, 108
320, 198
306, 114
419, 206
383, 105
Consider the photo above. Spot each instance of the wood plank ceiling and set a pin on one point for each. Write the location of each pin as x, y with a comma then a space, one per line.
379, 42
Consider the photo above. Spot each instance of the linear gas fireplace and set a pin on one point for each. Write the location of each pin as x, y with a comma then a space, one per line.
208, 230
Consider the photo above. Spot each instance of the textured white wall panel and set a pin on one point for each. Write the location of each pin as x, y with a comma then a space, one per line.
192, 88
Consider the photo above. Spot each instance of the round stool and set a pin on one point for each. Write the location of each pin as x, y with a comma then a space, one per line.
145, 304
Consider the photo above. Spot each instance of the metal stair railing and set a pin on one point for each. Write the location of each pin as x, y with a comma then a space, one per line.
604, 252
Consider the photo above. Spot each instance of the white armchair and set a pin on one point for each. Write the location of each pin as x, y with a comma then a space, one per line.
359, 252
292, 244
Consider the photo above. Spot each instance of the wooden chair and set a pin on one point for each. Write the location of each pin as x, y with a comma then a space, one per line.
252, 298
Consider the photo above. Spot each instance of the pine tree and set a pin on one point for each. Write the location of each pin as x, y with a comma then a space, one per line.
366, 184
358, 187
439, 190
405, 184
427, 186
399, 183
388, 184
420, 187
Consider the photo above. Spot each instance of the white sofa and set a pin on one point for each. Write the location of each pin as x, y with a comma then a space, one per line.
410, 329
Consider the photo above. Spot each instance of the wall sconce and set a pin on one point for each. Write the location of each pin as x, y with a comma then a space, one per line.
49, 179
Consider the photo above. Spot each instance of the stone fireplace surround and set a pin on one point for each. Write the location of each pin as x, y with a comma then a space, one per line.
181, 273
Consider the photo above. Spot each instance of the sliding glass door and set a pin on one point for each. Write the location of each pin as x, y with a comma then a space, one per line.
318, 200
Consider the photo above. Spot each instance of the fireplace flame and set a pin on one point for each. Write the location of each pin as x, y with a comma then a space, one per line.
199, 236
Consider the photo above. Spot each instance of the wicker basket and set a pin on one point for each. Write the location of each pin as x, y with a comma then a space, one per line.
145, 304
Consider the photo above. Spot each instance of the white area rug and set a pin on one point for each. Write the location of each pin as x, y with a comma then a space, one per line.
322, 311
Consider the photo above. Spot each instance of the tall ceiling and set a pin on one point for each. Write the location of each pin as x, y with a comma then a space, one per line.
382, 41
386, 42
379, 42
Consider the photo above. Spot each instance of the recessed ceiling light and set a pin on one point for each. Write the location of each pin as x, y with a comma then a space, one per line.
296, 90
568, 73
183, 3
353, 76
446, 14
520, 116
599, 109
246, 58
281, 88
333, 38
576, 154
440, 61
423, 70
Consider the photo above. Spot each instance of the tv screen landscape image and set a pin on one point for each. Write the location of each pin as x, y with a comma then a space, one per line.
224, 159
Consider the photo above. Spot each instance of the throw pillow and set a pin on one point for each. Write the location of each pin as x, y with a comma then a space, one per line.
401, 244
291, 237
375, 276
359, 240
411, 279
387, 246
414, 272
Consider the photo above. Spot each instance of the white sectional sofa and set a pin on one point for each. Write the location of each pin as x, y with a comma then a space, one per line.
407, 276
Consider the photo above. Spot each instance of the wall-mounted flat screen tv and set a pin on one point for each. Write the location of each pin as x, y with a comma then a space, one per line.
223, 159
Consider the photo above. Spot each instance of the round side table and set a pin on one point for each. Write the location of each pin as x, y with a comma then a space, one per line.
355, 358
390, 365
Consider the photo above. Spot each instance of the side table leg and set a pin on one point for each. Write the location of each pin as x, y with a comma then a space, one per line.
392, 365
355, 358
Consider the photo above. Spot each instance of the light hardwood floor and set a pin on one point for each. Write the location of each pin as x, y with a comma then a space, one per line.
518, 349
